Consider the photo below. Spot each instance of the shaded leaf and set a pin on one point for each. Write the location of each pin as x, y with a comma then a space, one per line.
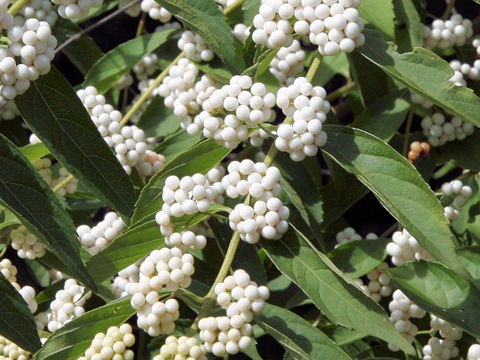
34, 151
157, 119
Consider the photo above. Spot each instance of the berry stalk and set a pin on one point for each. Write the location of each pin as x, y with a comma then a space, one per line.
15, 8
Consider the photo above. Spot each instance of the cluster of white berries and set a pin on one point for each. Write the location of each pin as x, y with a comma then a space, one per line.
402, 309
186, 240
146, 66
242, 299
68, 304
124, 82
183, 347
460, 193
8, 109
446, 330
472, 71
474, 352
404, 248
476, 45
288, 63
112, 345
75, 9
379, 284
124, 277
27, 244
446, 34
439, 131
420, 100
349, 234
128, 142
9, 271
307, 105
11, 351
39, 9
155, 11
241, 103
186, 196
33, 44
440, 349
332, 25
28, 294
272, 25
241, 32
194, 47
96, 238
44, 167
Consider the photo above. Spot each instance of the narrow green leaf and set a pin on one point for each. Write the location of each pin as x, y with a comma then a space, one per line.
23, 191
206, 20
157, 119
357, 258
69, 342
34, 151
442, 292
397, 185
130, 246
120, 60
53, 111
83, 52
16, 321
385, 116
298, 335
425, 73
336, 296
198, 159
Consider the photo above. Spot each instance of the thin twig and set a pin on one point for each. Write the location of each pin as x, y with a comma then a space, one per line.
448, 10
408, 128
95, 25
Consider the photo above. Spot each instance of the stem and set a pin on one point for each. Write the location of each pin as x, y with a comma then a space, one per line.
448, 10
341, 91
141, 25
95, 25
314, 67
17, 6
146, 95
232, 7
63, 183
388, 231
408, 128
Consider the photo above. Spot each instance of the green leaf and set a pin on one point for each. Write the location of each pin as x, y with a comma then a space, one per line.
215, 71
53, 111
34, 151
357, 258
198, 159
120, 60
412, 21
176, 143
442, 292
23, 191
381, 14
69, 342
204, 19
384, 117
470, 257
158, 120
7, 218
298, 335
330, 66
130, 246
397, 185
16, 321
425, 73
83, 52
336, 296
456, 150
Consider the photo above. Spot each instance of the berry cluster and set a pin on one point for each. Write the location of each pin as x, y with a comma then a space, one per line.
11, 351
418, 149
440, 349
194, 47
33, 44
129, 275
28, 294
9, 271
182, 348
241, 298
446, 34
186, 240
474, 352
146, 66
38, 9
241, 32
349, 234
307, 105
68, 304
96, 238
8, 109
439, 131
460, 194
75, 9
379, 284
402, 309
187, 196
272, 25
155, 316
420, 100
471, 71
229, 110
112, 345
288, 63
446, 330
44, 167
155, 11
404, 248
27, 244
